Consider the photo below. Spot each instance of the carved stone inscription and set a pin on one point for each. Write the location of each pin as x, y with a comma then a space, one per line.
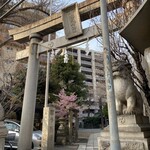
71, 21
132, 146
125, 145
121, 120
104, 145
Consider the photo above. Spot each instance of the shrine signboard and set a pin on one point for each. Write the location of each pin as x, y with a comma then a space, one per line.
71, 21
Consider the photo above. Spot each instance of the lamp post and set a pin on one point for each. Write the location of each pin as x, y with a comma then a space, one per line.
48, 65
113, 126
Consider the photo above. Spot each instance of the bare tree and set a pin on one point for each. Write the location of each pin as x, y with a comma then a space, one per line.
27, 12
121, 50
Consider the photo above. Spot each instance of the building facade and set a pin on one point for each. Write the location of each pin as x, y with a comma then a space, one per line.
91, 65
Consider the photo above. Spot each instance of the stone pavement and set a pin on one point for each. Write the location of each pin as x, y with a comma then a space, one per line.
90, 143
67, 147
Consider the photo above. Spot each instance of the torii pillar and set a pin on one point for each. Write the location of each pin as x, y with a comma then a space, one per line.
29, 100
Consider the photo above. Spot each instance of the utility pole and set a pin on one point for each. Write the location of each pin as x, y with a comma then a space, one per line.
113, 125
48, 65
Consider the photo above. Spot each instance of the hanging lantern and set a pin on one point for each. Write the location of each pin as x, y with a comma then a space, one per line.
52, 55
66, 56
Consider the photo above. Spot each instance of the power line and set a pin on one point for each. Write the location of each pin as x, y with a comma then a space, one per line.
4, 4
10, 10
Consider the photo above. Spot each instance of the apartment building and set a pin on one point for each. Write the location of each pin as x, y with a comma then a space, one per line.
92, 66
7, 57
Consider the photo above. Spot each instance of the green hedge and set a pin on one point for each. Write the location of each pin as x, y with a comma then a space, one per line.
92, 122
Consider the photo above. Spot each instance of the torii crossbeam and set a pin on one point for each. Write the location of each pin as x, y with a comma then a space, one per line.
87, 9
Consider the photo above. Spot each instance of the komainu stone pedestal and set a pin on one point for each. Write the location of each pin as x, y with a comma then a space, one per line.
3, 134
134, 133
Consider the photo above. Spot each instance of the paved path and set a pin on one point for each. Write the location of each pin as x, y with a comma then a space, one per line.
90, 144
67, 147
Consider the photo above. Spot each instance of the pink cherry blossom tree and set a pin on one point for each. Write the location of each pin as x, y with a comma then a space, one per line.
65, 103
65, 107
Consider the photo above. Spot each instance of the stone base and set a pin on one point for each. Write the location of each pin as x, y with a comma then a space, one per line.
3, 134
48, 128
134, 133
61, 138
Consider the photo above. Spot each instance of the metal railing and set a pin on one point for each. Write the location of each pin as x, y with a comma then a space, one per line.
10, 145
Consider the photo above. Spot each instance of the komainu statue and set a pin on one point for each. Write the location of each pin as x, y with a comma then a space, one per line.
128, 98
1, 112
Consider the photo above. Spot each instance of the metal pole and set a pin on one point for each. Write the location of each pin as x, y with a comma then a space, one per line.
47, 79
48, 65
48, 126
11, 9
29, 100
4, 4
113, 126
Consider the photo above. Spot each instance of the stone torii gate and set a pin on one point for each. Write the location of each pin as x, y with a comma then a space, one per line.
34, 33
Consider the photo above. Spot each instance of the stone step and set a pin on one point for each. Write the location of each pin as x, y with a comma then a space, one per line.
135, 128
138, 135
134, 133
87, 147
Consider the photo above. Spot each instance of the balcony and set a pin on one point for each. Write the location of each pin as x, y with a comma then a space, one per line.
88, 63
88, 76
89, 84
72, 53
87, 57
98, 78
101, 65
99, 57
99, 72
86, 69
